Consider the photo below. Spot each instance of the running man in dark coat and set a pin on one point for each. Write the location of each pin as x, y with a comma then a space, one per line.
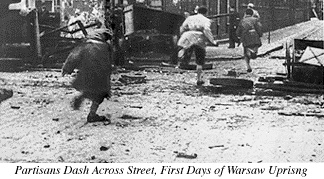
250, 32
93, 59
234, 20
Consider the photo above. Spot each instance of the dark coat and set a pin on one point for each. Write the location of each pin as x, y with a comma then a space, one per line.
93, 59
250, 32
233, 25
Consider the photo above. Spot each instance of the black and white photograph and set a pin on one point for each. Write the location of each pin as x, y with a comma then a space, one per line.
162, 81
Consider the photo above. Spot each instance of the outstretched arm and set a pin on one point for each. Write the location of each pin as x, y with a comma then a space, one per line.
258, 28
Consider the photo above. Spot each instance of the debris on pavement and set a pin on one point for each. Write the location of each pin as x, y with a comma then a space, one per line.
305, 114
232, 82
104, 148
132, 79
288, 97
272, 108
187, 156
126, 116
215, 146
15, 107
122, 125
5, 94
60, 159
173, 113
289, 88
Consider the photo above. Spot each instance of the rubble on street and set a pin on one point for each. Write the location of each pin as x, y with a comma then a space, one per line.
158, 114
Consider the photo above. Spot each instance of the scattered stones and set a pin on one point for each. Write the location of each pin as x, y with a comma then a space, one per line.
119, 124
104, 148
24, 152
81, 138
60, 159
288, 97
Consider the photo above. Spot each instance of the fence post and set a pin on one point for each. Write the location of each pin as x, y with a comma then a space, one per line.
38, 50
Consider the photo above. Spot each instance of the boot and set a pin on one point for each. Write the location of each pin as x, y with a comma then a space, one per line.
96, 118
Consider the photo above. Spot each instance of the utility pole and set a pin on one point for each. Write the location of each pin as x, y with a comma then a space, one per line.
271, 10
36, 32
292, 8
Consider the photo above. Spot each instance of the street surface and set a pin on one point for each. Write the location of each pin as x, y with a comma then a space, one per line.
166, 115
153, 121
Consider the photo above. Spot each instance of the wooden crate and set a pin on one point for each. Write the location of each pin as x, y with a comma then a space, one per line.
303, 72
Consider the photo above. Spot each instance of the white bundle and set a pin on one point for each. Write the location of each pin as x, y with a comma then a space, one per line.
24, 11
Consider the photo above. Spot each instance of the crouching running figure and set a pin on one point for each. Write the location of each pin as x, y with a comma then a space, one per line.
93, 60
195, 34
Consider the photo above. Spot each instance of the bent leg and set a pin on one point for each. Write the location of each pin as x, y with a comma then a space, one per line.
184, 56
77, 101
200, 61
247, 57
97, 99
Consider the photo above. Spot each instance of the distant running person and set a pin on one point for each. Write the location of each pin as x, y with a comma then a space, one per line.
250, 32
